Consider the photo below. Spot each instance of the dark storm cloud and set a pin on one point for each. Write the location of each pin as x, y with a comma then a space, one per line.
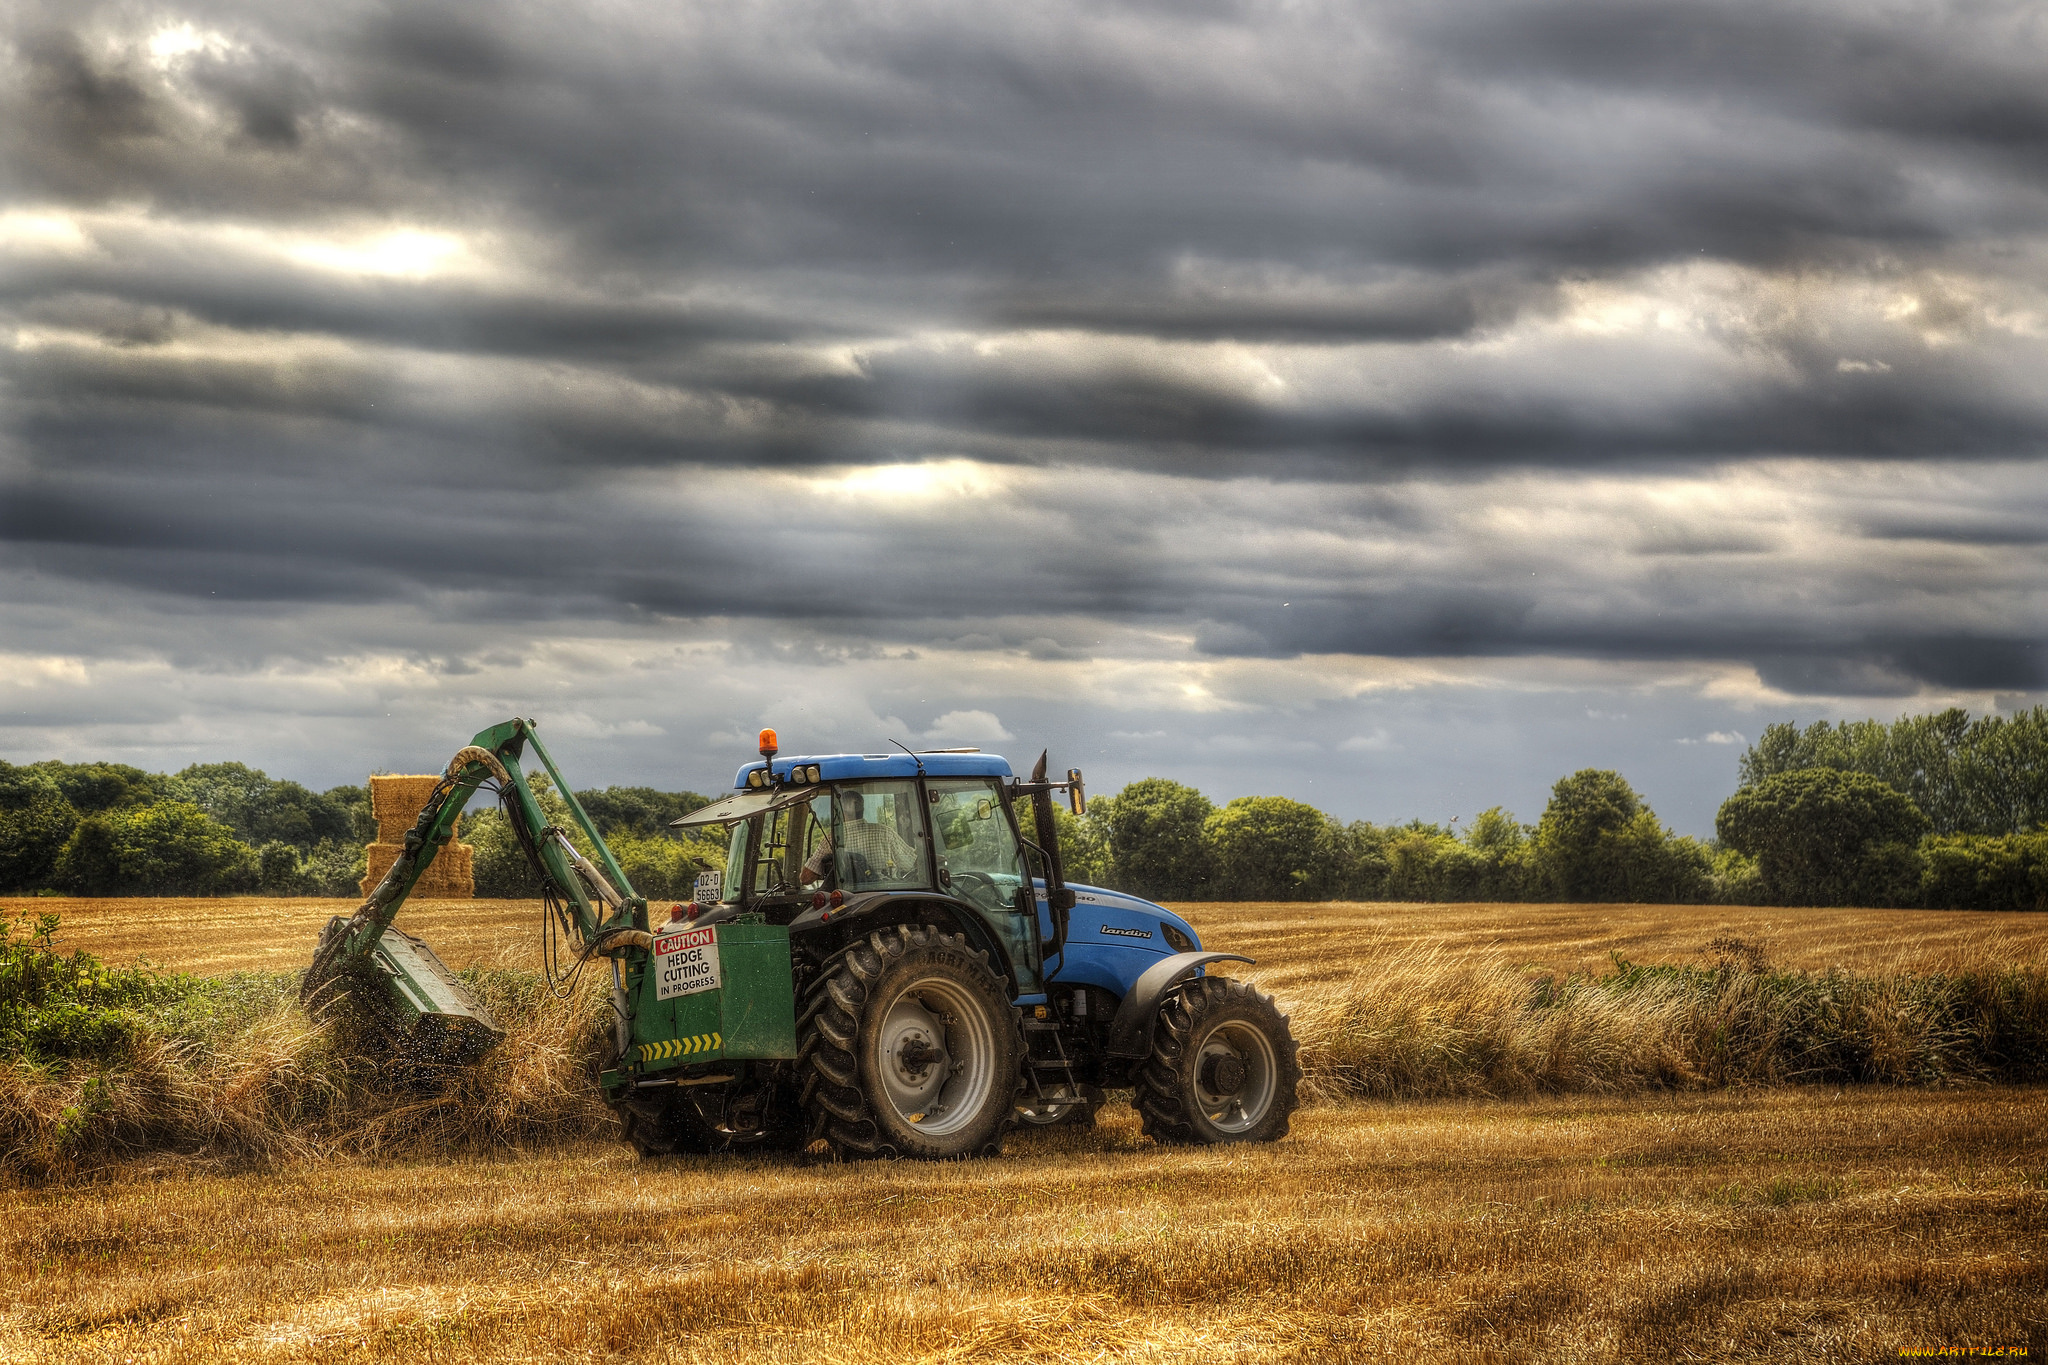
349, 304
1092, 144
457, 317
1965, 75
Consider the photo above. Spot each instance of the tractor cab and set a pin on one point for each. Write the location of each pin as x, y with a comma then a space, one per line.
813, 839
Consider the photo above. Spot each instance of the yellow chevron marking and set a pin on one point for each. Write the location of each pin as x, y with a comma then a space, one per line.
681, 1047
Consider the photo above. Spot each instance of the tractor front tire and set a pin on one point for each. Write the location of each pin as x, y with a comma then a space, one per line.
909, 1047
1222, 1068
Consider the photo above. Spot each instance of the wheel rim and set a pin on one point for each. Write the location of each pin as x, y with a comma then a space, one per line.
937, 1056
1051, 1108
1236, 1075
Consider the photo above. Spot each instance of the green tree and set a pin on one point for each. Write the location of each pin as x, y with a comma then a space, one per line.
1582, 839
1417, 861
261, 810
1267, 848
1084, 843
1984, 871
2003, 773
354, 802
335, 868
1154, 828
634, 824
1597, 841
663, 868
1824, 836
1983, 776
1426, 862
1501, 844
95, 787
35, 820
170, 848
1359, 863
499, 863
280, 870
641, 811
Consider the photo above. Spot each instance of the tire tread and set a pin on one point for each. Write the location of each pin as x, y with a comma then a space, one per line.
1162, 1097
829, 1029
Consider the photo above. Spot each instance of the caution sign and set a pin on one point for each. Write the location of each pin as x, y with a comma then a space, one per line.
685, 963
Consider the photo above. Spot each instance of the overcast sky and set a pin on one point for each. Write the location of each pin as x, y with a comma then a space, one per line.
1395, 407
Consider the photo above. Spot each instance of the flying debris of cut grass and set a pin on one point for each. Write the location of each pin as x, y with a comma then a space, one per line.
229, 1069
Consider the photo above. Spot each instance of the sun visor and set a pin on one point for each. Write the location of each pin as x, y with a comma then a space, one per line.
730, 809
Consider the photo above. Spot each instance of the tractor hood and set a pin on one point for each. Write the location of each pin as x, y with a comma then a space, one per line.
1119, 923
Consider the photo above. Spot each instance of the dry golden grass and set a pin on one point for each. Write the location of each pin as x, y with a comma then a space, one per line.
1763, 1224
1293, 942
1297, 943
249, 1079
1782, 1224
213, 935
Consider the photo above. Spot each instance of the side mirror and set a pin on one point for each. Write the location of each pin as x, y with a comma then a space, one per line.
1077, 795
984, 808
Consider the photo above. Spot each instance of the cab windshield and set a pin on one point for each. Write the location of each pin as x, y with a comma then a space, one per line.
978, 854
980, 861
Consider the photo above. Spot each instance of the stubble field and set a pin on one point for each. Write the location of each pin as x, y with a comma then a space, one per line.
1766, 1223
1293, 942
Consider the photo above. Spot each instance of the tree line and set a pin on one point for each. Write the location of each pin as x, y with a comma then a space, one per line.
1597, 840
1942, 811
108, 829
219, 829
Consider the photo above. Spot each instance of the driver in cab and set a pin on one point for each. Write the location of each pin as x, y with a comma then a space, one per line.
876, 851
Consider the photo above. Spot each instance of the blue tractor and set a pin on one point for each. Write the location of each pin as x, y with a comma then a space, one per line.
892, 962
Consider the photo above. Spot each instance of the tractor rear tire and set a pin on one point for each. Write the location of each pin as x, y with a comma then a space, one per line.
909, 1047
1222, 1068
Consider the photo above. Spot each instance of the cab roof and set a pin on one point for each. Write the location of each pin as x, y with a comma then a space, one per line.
855, 767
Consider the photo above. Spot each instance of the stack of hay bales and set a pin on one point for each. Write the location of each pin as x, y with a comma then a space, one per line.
396, 802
